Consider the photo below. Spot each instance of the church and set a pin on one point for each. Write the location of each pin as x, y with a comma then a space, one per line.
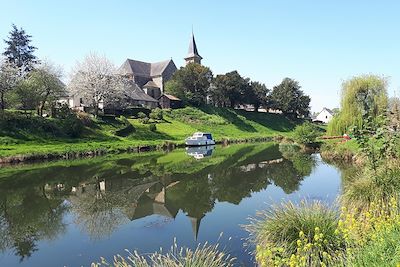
151, 77
148, 82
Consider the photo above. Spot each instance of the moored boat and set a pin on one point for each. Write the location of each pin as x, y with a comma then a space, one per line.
200, 139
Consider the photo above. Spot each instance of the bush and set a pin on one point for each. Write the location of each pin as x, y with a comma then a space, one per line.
288, 233
205, 255
306, 134
157, 114
152, 127
141, 115
127, 128
72, 126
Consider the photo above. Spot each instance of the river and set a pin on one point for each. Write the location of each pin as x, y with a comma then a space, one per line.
71, 213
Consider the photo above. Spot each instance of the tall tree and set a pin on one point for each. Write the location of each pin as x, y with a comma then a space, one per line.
45, 81
362, 96
257, 95
290, 99
191, 83
229, 89
8, 81
19, 51
95, 81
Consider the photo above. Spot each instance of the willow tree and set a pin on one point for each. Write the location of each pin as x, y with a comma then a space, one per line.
362, 96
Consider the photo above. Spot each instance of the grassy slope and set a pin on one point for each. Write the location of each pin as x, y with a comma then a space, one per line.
177, 125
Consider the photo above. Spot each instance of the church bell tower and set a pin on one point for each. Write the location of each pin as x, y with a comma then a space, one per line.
193, 55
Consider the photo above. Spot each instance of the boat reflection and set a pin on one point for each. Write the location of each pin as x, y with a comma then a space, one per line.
199, 152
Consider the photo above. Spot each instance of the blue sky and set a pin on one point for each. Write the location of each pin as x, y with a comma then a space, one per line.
318, 43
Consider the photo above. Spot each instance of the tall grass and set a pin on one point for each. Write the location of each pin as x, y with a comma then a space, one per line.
202, 256
296, 234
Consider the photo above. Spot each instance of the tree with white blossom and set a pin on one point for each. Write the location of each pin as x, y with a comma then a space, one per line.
8, 80
95, 81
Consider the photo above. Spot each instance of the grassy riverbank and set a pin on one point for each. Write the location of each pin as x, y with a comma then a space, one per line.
29, 136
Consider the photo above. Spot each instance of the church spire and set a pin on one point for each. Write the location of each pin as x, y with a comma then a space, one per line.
193, 54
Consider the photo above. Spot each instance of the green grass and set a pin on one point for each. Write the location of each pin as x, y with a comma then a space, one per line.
384, 251
24, 135
205, 255
280, 226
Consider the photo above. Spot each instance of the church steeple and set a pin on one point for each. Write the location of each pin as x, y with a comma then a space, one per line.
193, 54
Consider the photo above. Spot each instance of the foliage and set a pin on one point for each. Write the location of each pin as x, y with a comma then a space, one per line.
290, 99
8, 81
19, 51
94, 80
258, 95
364, 95
297, 235
156, 114
306, 133
394, 113
229, 90
44, 82
141, 115
152, 127
190, 83
203, 255
126, 129
70, 124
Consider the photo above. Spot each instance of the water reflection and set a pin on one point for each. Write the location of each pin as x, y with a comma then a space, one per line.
103, 194
199, 152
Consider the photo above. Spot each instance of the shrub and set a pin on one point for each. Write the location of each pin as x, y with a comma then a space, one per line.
72, 126
205, 255
141, 115
85, 118
306, 133
144, 120
126, 129
299, 234
152, 127
157, 114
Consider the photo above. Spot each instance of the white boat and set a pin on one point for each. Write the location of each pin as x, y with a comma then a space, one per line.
200, 139
199, 152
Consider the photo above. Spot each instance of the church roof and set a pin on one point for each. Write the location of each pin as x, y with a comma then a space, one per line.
151, 84
135, 93
192, 52
171, 97
144, 69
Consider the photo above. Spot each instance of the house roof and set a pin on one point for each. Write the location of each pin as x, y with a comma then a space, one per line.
151, 84
328, 110
171, 97
192, 52
145, 69
135, 93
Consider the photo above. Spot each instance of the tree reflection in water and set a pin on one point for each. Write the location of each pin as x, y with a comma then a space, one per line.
103, 194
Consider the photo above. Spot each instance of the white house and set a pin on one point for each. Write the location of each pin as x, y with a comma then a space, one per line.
325, 115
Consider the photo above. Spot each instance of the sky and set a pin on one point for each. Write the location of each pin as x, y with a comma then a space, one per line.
318, 43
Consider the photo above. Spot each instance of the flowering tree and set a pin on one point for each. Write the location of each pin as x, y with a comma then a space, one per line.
8, 80
95, 81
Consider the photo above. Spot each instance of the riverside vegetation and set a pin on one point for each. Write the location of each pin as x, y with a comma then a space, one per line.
33, 137
364, 231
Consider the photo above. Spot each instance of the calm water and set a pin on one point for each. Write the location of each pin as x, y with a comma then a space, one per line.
72, 213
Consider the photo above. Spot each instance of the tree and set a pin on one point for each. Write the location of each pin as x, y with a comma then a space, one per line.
94, 80
8, 81
19, 51
288, 98
362, 97
256, 95
229, 89
394, 112
191, 84
45, 82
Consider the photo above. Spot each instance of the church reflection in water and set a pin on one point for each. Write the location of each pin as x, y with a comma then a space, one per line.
103, 194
